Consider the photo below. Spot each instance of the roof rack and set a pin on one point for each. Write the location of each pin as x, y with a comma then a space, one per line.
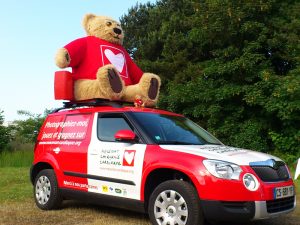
91, 102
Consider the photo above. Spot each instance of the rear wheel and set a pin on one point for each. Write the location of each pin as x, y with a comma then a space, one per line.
46, 192
175, 202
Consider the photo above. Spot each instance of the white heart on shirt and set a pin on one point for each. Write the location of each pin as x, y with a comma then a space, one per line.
117, 60
129, 157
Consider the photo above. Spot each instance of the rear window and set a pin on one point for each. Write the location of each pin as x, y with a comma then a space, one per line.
70, 127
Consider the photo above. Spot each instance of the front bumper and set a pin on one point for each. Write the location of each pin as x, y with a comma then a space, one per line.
248, 210
274, 208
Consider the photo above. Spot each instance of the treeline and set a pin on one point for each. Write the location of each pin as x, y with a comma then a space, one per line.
232, 66
20, 134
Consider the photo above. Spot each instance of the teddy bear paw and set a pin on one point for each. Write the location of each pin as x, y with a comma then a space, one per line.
110, 82
115, 81
150, 85
153, 89
62, 58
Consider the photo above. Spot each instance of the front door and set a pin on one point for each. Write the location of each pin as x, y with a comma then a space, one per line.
114, 168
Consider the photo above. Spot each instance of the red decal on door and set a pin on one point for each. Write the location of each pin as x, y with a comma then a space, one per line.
128, 158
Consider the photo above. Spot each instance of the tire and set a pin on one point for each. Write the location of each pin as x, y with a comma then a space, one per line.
175, 202
46, 192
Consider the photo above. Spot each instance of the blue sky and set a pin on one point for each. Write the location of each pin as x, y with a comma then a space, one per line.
31, 33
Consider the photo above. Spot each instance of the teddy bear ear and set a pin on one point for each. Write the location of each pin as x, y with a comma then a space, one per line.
86, 19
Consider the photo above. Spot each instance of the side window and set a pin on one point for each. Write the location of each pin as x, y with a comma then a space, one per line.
108, 126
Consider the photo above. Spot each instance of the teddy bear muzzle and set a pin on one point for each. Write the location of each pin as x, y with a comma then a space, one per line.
117, 31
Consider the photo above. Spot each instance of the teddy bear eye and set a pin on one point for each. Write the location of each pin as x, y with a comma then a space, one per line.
108, 23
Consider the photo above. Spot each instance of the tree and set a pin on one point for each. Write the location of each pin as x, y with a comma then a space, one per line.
232, 66
4, 133
26, 131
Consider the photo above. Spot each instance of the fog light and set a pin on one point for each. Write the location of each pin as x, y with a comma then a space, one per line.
250, 182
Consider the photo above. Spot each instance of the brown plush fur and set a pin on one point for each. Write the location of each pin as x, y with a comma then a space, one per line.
141, 89
102, 27
61, 58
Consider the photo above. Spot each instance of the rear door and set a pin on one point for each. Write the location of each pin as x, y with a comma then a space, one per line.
114, 168
71, 150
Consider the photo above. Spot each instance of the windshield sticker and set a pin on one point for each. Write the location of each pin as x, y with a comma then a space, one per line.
69, 132
223, 149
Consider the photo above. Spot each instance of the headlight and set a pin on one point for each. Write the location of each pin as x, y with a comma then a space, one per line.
221, 169
250, 182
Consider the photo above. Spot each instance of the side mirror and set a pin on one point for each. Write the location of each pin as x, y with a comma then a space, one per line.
125, 135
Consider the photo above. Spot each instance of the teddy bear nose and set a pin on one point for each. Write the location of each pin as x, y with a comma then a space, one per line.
117, 30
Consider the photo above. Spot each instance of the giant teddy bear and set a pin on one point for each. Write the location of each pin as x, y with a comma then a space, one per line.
102, 68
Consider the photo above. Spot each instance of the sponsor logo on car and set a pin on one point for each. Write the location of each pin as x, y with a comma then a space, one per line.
118, 191
128, 158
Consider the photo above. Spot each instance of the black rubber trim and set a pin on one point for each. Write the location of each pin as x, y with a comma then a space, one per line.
106, 200
94, 177
139, 139
228, 211
139, 130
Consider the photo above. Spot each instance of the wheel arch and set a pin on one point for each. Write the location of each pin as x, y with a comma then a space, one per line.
35, 169
160, 175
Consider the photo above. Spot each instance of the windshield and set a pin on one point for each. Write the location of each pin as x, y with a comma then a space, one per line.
167, 129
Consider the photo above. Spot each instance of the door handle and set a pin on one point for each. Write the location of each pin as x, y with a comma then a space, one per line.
94, 152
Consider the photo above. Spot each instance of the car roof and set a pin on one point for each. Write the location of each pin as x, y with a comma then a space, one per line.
112, 109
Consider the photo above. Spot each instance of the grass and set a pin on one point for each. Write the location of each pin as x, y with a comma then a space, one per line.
17, 206
15, 185
16, 158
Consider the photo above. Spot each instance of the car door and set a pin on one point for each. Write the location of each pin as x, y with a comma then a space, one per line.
71, 148
114, 167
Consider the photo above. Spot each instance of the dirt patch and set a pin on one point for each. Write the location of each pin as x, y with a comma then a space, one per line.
72, 212
26, 213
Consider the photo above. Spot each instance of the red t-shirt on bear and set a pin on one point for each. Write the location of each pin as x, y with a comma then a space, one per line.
90, 53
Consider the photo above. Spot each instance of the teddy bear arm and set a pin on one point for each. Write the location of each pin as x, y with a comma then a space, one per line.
135, 72
62, 58
75, 52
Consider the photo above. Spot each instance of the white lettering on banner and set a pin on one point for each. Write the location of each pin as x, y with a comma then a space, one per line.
73, 129
67, 124
77, 143
79, 185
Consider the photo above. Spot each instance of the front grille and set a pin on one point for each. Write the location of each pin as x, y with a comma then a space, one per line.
270, 174
246, 206
280, 205
234, 204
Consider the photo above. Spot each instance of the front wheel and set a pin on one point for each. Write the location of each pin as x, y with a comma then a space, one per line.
175, 202
46, 192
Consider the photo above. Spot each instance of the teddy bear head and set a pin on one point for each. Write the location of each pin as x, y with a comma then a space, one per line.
103, 27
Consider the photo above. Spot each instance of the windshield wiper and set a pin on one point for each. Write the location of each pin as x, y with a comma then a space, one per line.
177, 143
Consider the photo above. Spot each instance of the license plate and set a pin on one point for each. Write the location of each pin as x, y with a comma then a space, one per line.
283, 192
